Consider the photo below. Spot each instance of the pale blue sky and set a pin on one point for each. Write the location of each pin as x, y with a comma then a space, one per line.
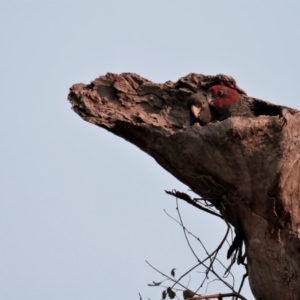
81, 209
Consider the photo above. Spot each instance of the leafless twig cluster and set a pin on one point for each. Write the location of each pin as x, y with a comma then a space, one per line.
209, 262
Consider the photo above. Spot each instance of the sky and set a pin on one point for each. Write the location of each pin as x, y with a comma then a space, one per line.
81, 209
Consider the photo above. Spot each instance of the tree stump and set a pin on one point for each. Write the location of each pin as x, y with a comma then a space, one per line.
248, 168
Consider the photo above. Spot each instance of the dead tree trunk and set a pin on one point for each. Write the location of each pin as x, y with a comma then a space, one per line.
248, 168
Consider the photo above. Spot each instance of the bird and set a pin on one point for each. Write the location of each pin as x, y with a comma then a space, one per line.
227, 102
199, 109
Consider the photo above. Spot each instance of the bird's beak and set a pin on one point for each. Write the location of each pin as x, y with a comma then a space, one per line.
210, 99
196, 111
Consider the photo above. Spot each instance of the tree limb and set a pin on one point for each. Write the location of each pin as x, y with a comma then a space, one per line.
248, 168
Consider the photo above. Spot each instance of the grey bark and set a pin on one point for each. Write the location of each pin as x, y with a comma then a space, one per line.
248, 168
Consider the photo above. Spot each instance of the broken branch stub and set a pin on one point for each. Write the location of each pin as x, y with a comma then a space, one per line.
248, 168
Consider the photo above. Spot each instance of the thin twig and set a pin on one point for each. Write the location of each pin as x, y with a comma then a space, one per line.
170, 278
218, 296
243, 279
189, 200
184, 232
216, 274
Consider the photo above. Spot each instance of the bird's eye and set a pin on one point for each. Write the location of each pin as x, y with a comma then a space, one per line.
220, 93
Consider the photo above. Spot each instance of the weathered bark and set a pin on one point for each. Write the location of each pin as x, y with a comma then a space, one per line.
249, 168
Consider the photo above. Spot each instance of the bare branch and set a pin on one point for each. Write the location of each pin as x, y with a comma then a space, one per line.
189, 200
218, 296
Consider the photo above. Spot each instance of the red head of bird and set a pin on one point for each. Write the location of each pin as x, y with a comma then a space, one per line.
228, 102
223, 96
